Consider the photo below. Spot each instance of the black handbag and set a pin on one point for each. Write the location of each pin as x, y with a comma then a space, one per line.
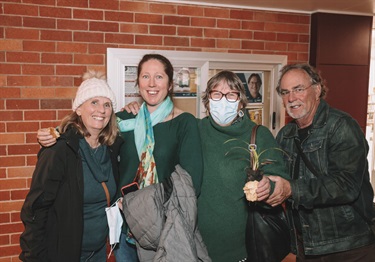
267, 230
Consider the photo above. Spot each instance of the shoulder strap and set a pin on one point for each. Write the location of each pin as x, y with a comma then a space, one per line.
106, 193
254, 134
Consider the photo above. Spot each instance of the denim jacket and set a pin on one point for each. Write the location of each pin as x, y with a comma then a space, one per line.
337, 149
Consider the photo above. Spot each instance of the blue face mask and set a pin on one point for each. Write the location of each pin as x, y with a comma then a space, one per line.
222, 111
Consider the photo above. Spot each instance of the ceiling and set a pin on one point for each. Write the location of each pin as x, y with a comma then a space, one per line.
359, 7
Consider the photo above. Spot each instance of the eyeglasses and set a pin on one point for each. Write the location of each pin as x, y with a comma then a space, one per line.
299, 90
230, 97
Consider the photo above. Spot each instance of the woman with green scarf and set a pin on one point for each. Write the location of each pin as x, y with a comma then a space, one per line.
158, 138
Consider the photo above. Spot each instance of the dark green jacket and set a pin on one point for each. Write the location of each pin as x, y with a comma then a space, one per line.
337, 148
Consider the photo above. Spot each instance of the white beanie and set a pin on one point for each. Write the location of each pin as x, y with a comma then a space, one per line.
93, 87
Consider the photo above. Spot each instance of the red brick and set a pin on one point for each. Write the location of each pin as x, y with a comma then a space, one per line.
57, 35
241, 14
70, 70
4, 240
38, 69
21, 33
202, 22
149, 18
276, 46
23, 81
13, 45
70, 24
55, 104
190, 31
54, 58
4, 217
66, 47
19, 9
228, 43
103, 26
287, 28
15, 217
41, 46
10, 92
40, 115
26, 149
267, 36
11, 115
161, 8
31, 161
88, 14
176, 20
242, 34
176, 41
304, 38
162, 30
10, 68
203, 42
252, 45
265, 16
11, 228
13, 250
298, 47
119, 16
252, 25
22, 104
100, 4
144, 40
232, 24
216, 33
111, 38
89, 59
23, 57
119, 38
66, 92
19, 194
22, 126
70, 3
10, 20
12, 138
133, 28
18, 172
134, 6
217, 12
285, 37
88, 37
40, 2
57, 81
9, 161
190, 10
57, 12
37, 22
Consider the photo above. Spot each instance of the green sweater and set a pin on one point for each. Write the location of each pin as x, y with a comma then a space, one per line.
222, 206
176, 142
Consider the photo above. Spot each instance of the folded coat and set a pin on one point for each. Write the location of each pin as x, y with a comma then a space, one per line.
163, 219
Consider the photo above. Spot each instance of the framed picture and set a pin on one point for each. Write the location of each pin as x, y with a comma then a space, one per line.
253, 83
256, 114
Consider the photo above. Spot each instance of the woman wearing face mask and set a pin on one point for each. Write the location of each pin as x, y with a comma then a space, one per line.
222, 206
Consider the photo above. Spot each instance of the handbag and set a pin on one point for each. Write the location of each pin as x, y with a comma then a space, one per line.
267, 230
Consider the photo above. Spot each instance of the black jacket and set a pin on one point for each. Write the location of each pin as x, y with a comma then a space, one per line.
53, 209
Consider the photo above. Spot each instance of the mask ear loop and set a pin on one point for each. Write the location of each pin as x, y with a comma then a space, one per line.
241, 113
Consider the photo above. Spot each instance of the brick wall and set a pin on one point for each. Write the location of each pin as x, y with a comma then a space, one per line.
45, 46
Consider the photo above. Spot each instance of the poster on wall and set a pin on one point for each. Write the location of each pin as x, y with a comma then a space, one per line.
253, 83
256, 114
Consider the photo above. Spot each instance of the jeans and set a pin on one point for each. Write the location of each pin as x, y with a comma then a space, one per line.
125, 252
94, 256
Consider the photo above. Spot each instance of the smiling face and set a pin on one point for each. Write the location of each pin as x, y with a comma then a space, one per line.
95, 114
253, 86
302, 106
154, 84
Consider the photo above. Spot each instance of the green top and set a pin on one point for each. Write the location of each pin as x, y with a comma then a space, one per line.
177, 141
222, 206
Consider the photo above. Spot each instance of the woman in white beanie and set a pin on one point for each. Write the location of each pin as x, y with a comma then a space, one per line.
74, 181
156, 140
